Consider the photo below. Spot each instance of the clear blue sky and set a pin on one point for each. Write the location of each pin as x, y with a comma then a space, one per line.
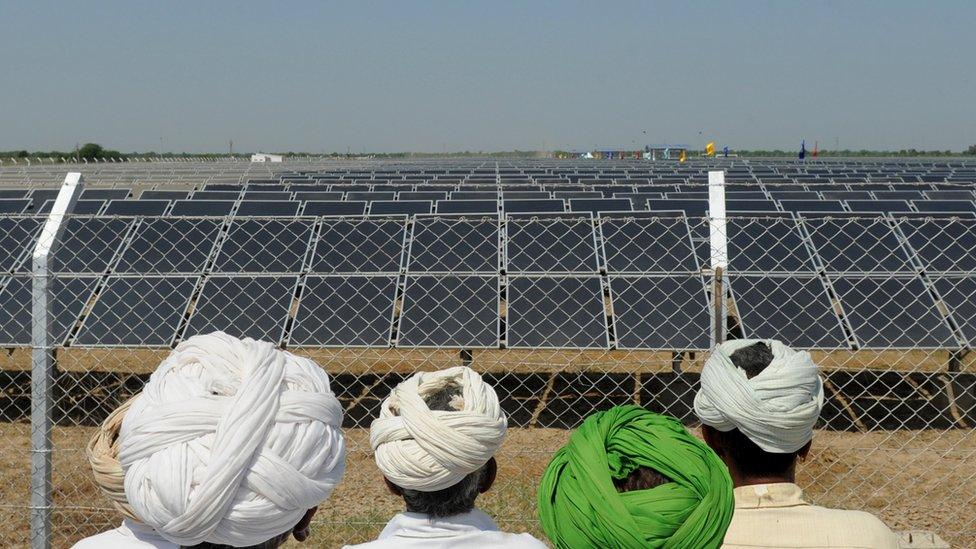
395, 76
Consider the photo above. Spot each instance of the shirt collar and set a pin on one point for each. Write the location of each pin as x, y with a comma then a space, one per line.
416, 525
758, 496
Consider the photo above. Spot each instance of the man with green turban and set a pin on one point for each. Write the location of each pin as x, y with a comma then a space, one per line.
632, 478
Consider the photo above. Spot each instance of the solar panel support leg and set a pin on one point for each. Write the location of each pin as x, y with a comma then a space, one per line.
42, 363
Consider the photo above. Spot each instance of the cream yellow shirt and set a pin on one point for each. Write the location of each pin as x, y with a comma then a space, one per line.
775, 516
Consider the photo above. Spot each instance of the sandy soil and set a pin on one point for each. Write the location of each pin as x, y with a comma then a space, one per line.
912, 479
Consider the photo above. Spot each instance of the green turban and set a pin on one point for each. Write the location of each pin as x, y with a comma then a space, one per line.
579, 506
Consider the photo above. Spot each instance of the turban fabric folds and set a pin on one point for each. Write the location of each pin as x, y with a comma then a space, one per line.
429, 450
579, 506
231, 442
776, 409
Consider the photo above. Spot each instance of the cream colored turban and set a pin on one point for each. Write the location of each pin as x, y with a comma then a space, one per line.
231, 442
428, 450
776, 409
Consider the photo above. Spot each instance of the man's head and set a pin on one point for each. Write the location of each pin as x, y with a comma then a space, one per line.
232, 443
435, 439
758, 404
632, 478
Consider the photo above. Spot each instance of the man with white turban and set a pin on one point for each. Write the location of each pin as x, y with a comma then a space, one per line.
758, 403
434, 442
232, 443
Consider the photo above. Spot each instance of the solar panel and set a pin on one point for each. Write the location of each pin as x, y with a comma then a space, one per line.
941, 195
900, 196
14, 205
891, 313
14, 193
82, 207
665, 312
251, 196
276, 208
450, 311
400, 207
599, 205
647, 243
88, 245
577, 194
533, 206
318, 196
945, 206
333, 208
847, 243
959, 296
360, 245
846, 195
432, 196
341, 311
556, 312
17, 238
40, 196
525, 195
164, 195
202, 208
369, 196
105, 194
766, 243
794, 309
941, 244
467, 206
265, 246
883, 206
69, 296
454, 244
216, 195
474, 195
143, 311
243, 306
691, 207
137, 207
169, 246
812, 205
222, 187
547, 243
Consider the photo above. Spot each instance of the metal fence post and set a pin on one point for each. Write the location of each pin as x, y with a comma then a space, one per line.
42, 364
718, 238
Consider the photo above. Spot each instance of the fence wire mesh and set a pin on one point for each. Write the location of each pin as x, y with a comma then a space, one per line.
565, 314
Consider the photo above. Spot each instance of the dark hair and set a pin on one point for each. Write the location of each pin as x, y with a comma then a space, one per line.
749, 458
453, 500
641, 478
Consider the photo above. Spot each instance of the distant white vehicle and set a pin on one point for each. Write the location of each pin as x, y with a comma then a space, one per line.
262, 157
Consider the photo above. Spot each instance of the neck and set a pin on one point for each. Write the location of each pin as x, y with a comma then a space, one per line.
742, 479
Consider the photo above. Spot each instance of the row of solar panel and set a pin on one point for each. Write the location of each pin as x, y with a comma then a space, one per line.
653, 313
662, 243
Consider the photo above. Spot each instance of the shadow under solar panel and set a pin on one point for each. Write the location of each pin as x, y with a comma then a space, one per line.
660, 312
450, 311
243, 306
556, 312
345, 311
137, 311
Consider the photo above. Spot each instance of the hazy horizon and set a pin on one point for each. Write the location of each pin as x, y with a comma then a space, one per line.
442, 77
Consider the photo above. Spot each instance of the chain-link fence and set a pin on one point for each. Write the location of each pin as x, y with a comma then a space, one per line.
565, 313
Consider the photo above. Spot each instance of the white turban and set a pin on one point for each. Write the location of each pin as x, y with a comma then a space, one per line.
776, 409
428, 450
231, 442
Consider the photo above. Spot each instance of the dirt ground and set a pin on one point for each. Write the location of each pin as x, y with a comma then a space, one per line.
911, 479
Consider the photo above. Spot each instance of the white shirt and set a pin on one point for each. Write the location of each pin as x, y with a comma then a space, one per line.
473, 530
776, 516
131, 535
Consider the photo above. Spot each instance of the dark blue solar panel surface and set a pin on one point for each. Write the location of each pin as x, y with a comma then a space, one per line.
847, 243
265, 246
251, 196
318, 195
278, 208
891, 313
599, 205
14, 205
878, 205
647, 243
169, 246
812, 205
164, 195
533, 206
137, 207
454, 244
82, 207
945, 206
405, 207
340, 311
940, 243
667, 312
333, 207
104, 194
69, 296
243, 306
216, 195
450, 311
142, 311
359, 245
766, 243
556, 312
17, 238
550, 243
202, 208
88, 245
794, 309
959, 296
467, 206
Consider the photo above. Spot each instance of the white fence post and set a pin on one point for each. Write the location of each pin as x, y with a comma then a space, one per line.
718, 238
42, 363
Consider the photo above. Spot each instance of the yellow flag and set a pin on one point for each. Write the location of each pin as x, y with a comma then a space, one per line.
710, 148
682, 157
